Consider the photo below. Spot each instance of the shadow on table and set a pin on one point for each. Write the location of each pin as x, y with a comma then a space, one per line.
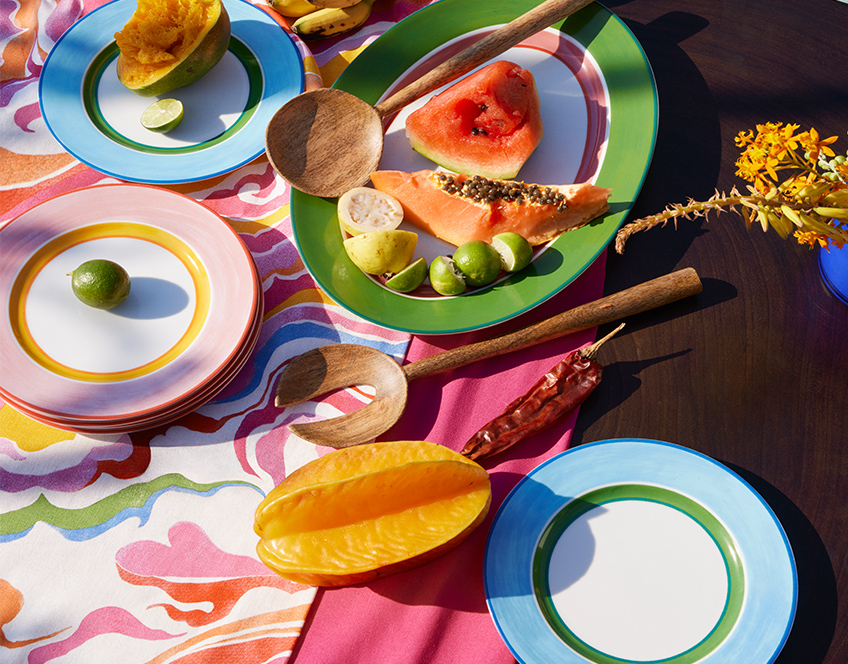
623, 376
815, 618
688, 125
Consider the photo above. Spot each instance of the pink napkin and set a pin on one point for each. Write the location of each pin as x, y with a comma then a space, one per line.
437, 613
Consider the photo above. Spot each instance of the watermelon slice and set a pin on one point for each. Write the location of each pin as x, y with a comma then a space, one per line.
486, 124
458, 208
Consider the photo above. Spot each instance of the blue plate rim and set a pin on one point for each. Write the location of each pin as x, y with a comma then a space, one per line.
787, 561
280, 83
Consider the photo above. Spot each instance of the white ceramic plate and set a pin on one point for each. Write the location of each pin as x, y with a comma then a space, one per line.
191, 310
97, 120
630, 550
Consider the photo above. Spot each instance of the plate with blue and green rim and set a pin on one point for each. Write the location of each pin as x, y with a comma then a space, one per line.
600, 113
97, 120
634, 551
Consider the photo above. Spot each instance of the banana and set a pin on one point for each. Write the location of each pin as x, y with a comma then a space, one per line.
333, 4
332, 21
292, 8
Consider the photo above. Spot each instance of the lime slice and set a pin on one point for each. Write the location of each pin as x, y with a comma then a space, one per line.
381, 252
410, 277
515, 251
163, 116
363, 210
100, 283
479, 261
445, 278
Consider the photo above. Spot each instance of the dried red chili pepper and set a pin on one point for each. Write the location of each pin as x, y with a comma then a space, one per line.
554, 395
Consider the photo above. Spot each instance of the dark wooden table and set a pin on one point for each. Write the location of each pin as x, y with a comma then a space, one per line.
754, 371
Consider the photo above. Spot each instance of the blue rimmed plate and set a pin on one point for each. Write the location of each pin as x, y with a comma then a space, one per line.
630, 550
97, 120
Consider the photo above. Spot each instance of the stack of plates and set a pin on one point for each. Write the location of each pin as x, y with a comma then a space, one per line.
190, 322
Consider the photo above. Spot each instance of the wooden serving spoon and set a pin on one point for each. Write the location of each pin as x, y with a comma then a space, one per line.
325, 142
335, 366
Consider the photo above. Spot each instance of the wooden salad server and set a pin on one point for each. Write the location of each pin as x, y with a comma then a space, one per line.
327, 141
335, 366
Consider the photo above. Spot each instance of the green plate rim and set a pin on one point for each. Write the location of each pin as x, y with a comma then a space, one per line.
634, 113
104, 59
711, 524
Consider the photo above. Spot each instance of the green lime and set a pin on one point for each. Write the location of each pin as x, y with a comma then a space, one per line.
100, 283
162, 116
410, 277
445, 278
515, 251
479, 261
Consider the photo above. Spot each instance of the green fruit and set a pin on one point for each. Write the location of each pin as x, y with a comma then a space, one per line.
197, 42
515, 251
479, 261
445, 278
410, 277
381, 252
162, 116
100, 283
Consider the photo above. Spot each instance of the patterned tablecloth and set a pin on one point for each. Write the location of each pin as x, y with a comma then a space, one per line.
139, 547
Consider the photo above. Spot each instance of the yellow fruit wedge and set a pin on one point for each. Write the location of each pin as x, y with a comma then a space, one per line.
382, 252
366, 511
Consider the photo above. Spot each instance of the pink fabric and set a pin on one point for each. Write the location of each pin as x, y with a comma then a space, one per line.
437, 613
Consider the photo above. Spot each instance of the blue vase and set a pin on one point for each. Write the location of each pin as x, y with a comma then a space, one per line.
834, 270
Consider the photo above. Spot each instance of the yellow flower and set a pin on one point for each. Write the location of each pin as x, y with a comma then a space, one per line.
812, 199
810, 238
744, 138
811, 143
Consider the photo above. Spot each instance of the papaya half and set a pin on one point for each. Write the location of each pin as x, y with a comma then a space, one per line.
458, 208
169, 44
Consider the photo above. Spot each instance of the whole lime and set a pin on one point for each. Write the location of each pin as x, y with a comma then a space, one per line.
100, 283
479, 261
445, 278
